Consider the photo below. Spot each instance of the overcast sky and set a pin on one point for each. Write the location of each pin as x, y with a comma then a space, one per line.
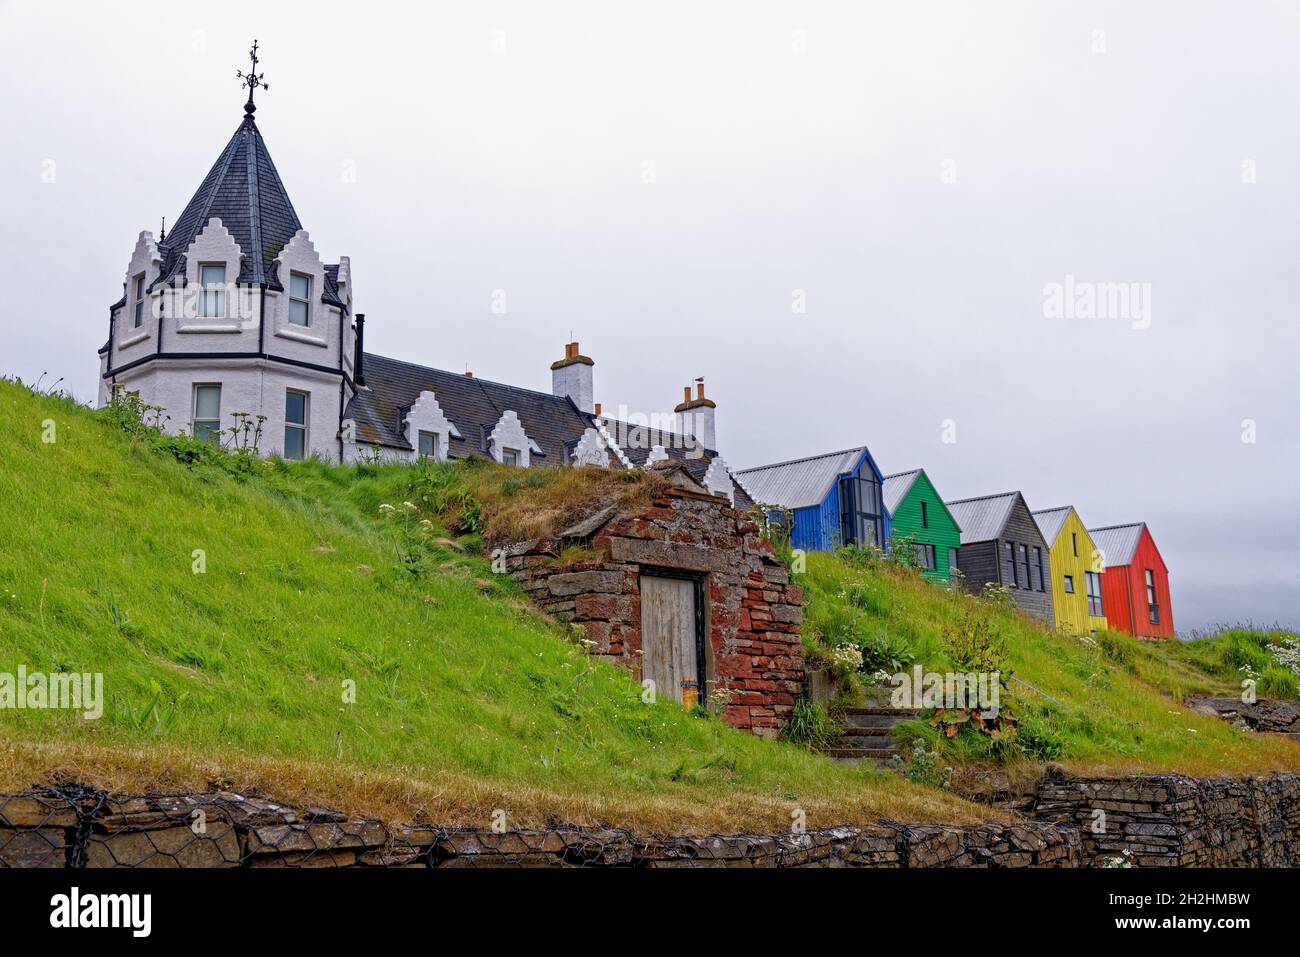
669, 182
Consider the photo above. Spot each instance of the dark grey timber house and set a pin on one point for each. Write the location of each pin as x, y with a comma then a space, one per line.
1002, 544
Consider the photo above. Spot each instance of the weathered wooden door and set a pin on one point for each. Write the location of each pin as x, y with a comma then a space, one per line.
669, 644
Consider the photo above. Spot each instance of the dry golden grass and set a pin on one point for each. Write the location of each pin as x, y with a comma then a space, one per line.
455, 799
548, 501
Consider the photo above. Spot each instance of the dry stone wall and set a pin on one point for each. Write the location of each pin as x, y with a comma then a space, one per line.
1159, 820
81, 828
1176, 821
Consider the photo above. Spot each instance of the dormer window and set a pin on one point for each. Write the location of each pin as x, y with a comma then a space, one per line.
212, 294
299, 299
509, 456
139, 301
429, 445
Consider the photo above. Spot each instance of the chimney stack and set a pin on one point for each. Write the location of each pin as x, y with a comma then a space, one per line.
573, 376
359, 351
697, 416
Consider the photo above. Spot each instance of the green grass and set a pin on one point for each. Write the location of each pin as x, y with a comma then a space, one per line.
1117, 701
466, 700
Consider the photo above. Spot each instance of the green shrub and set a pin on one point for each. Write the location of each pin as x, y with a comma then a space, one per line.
1039, 738
1117, 647
810, 726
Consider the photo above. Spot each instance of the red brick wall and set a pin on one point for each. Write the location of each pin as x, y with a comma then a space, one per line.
753, 611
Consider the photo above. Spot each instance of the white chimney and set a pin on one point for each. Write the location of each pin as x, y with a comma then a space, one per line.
696, 417
573, 376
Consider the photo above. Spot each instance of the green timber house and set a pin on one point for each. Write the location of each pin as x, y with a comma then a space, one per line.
918, 513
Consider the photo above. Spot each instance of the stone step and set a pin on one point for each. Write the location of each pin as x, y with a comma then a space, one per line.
1293, 735
867, 738
872, 720
900, 713
879, 755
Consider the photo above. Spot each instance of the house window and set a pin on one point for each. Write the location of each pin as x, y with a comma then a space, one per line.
428, 443
207, 413
861, 512
139, 300
299, 299
509, 456
952, 560
1093, 580
924, 556
1037, 570
1074, 543
1152, 605
212, 291
295, 424
1009, 564
1022, 573
1069, 584
925, 518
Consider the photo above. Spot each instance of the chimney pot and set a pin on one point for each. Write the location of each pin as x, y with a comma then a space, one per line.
687, 393
699, 389
468, 374
572, 377
598, 408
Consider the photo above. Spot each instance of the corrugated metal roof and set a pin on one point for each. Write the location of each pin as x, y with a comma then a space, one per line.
1117, 542
982, 519
896, 487
801, 483
1050, 521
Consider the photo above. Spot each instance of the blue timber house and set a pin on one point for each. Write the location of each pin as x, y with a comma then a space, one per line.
834, 499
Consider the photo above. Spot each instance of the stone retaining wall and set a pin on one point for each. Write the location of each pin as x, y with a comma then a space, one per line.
76, 828
1160, 820
1170, 820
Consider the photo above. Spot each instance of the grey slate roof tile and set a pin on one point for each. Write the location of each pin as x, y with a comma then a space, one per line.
473, 405
244, 190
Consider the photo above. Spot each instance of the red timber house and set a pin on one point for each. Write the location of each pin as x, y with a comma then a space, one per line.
1135, 581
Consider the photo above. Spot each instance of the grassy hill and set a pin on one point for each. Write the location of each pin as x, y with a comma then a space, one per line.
466, 699
1109, 704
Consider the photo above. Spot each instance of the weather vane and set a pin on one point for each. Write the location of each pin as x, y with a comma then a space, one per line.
252, 80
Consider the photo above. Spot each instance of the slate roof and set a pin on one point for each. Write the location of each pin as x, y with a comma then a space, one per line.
982, 518
896, 487
637, 442
801, 483
243, 190
473, 405
1050, 522
1117, 542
